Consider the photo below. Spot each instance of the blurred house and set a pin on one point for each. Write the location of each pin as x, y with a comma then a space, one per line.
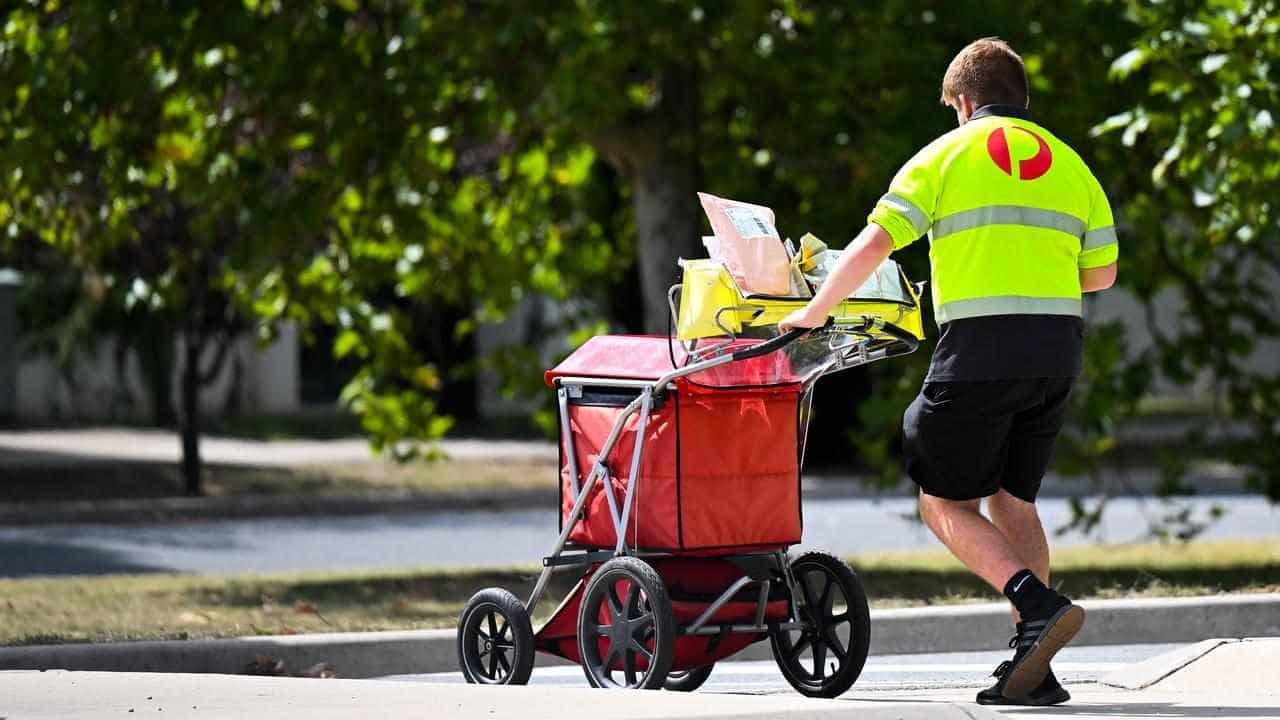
1167, 314
9, 283
106, 385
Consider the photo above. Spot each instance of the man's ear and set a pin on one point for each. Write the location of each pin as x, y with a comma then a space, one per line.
966, 107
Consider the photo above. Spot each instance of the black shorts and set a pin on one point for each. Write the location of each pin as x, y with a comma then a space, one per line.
967, 440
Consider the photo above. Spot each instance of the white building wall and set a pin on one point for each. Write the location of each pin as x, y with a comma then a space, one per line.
100, 387
1167, 314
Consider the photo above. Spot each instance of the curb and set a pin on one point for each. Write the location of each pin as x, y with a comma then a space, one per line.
958, 628
894, 631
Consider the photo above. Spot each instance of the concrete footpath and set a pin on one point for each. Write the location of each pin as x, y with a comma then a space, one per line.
1215, 679
44, 696
1223, 678
909, 630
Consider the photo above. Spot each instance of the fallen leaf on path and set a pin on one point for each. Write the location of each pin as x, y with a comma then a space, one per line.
265, 665
320, 670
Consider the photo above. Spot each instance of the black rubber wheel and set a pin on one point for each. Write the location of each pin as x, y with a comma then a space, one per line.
825, 658
688, 680
625, 626
495, 639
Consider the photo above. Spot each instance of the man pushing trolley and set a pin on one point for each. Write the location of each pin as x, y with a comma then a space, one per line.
1019, 228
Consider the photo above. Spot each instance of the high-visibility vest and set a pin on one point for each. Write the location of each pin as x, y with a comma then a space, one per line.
1012, 213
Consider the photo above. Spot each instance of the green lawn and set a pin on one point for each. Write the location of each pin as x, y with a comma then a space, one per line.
78, 609
360, 478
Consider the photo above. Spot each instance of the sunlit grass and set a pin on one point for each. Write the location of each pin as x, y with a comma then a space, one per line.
377, 477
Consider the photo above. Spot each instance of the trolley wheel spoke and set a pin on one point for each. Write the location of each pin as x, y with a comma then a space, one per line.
607, 664
819, 657
502, 660
633, 599
827, 599
640, 648
502, 632
493, 665
615, 603
798, 648
640, 624
629, 666
833, 642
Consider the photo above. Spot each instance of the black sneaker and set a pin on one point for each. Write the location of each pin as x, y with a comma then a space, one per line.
1050, 691
1037, 642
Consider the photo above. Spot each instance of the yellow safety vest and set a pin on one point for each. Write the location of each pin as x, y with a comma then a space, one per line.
1012, 215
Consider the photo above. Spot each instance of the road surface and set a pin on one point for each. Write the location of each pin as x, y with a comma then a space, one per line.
477, 539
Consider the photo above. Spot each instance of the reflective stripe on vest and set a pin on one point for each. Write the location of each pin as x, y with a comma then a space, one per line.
1101, 237
919, 220
1008, 215
1008, 305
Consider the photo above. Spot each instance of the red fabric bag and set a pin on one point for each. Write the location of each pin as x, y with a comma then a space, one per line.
719, 468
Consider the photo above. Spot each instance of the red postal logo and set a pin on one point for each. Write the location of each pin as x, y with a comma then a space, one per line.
1028, 169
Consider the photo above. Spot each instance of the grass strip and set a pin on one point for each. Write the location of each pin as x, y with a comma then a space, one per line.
136, 607
358, 478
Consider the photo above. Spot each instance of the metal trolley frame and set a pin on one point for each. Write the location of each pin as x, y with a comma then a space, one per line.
850, 344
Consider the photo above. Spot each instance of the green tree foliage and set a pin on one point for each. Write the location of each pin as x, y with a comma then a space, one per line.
405, 170
1200, 199
208, 167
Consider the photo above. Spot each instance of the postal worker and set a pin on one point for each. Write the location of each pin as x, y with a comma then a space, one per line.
1018, 229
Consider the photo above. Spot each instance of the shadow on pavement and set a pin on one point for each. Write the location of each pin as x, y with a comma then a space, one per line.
19, 558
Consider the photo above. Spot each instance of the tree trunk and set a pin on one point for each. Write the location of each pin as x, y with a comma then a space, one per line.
668, 226
155, 357
659, 158
190, 391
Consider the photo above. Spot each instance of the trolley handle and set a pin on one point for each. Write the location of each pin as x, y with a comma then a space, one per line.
779, 342
904, 342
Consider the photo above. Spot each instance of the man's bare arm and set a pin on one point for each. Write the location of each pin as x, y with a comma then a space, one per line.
1095, 279
859, 260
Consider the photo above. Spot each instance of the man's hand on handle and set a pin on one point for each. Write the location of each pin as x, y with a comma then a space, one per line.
859, 260
805, 317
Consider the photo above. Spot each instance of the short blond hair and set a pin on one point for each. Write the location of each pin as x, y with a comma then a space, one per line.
988, 72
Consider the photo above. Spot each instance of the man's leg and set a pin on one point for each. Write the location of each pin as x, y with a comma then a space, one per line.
957, 442
972, 538
1019, 522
